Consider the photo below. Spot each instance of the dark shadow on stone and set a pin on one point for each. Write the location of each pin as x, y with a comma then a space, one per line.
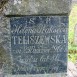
2, 3
2, 56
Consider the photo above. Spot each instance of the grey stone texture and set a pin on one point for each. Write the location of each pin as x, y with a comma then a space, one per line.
40, 75
30, 7
5, 43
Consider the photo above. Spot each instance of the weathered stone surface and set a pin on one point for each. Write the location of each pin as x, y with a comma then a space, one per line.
39, 42
29, 7
5, 43
72, 70
35, 7
2, 2
40, 75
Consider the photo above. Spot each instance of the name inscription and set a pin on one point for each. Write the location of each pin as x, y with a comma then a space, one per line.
39, 44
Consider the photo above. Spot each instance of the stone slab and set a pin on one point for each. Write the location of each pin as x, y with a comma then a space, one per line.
46, 34
35, 7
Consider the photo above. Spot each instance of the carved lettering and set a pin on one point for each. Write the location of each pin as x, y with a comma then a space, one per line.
39, 44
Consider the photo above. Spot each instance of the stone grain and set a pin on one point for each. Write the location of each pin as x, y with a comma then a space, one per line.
30, 7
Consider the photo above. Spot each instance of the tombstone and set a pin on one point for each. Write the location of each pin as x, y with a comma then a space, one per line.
38, 38
75, 35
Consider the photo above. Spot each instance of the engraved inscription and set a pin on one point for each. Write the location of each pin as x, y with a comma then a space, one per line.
39, 44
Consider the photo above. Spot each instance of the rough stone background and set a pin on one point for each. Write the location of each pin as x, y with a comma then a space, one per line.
4, 43
5, 61
28, 7
25, 7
